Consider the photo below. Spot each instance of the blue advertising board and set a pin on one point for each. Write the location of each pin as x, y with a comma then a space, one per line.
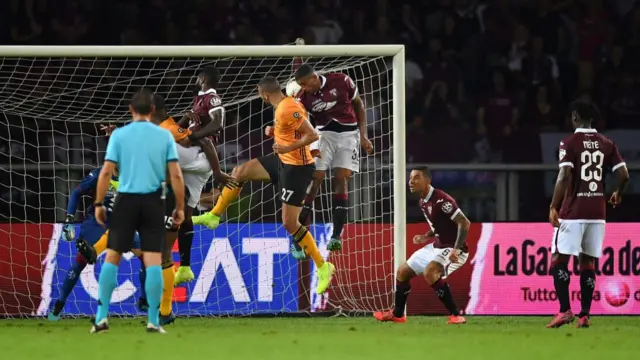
239, 268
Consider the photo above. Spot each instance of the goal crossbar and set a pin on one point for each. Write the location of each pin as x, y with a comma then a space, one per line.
201, 51
396, 52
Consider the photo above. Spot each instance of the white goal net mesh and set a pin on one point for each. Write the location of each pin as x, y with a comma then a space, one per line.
51, 111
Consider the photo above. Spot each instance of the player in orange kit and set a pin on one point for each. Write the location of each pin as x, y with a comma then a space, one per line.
291, 167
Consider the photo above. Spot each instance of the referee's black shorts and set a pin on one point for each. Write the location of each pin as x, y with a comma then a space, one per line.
143, 213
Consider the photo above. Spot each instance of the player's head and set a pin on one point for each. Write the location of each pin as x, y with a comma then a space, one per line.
208, 78
142, 104
308, 79
583, 113
269, 89
419, 179
160, 114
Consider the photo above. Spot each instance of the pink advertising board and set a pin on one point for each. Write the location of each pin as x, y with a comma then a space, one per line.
511, 266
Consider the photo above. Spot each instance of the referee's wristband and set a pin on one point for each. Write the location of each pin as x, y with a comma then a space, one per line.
98, 204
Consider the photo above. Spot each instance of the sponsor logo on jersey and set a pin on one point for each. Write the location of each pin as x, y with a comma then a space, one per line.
323, 106
333, 92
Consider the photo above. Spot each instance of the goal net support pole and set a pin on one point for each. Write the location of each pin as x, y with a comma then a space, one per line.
34, 86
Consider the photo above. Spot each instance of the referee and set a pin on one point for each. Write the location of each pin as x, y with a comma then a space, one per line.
143, 152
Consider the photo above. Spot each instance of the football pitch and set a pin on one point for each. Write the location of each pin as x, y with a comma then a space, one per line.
322, 338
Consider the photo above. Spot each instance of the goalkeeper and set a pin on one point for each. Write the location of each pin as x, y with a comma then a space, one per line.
92, 240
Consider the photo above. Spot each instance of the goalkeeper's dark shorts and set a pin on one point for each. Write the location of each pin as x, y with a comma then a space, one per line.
291, 180
137, 212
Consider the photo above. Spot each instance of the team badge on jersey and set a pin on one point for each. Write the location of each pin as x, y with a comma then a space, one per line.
180, 129
296, 115
447, 207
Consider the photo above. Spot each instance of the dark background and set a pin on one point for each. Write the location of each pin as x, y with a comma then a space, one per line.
516, 64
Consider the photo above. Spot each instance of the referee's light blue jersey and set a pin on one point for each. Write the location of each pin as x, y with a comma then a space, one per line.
141, 150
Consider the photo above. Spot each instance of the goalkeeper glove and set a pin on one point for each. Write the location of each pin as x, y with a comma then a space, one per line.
68, 229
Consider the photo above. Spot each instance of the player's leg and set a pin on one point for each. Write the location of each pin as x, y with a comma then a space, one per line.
126, 212
168, 278
340, 206
592, 242
254, 169
293, 181
307, 207
566, 242
185, 234
403, 287
435, 275
151, 227
346, 160
90, 232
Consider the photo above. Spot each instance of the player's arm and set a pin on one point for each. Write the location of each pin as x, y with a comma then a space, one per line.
216, 113
562, 181
85, 186
620, 168
361, 113
103, 180
111, 159
307, 136
463, 228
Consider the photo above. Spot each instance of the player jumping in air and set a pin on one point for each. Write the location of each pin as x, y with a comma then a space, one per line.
580, 222
446, 252
205, 120
196, 161
339, 115
92, 240
291, 167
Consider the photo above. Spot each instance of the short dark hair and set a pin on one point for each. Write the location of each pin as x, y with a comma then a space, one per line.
142, 102
159, 102
270, 84
424, 170
211, 74
303, 71
585, 111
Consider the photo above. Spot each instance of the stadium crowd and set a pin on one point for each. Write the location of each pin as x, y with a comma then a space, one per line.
484, 77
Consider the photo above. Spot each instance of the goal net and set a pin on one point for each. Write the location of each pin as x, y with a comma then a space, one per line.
53, 102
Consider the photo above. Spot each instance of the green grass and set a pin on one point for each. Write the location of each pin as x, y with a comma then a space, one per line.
422, 338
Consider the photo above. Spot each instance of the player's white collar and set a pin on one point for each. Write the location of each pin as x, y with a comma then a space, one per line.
324, 81
426, 198
210, 91
581, 130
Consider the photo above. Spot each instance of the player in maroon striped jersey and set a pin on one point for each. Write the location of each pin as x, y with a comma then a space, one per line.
445, 253
339, 115
580, 222
205, 120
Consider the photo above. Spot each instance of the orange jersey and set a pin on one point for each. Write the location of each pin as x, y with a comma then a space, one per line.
179, 133
290, 114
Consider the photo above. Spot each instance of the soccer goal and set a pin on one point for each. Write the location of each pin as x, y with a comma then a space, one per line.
53, 101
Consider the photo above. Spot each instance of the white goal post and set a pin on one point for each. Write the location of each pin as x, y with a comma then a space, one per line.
30, 74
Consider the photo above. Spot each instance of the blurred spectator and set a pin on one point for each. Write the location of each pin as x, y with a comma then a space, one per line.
536, 68
542, 114
26, 27
497, 115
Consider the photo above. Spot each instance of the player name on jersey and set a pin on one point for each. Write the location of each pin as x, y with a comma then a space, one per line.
589, 154
330, 106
